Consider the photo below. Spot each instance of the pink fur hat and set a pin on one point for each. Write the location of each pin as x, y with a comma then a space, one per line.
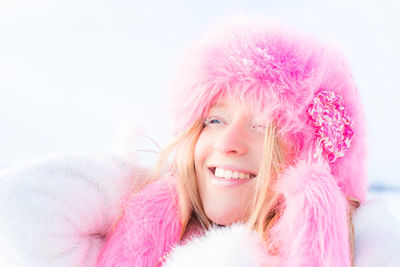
304, 86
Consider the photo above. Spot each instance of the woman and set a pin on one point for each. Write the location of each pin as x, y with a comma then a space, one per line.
269, 133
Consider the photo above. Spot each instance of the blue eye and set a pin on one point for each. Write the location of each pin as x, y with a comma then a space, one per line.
210, 121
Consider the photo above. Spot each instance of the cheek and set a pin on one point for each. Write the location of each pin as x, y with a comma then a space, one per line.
258, 153
255, 152
202, 150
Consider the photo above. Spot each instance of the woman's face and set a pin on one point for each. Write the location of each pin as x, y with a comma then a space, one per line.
227, 160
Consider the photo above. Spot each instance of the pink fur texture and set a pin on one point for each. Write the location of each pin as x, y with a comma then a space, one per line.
312, 230
278, 72
148, 228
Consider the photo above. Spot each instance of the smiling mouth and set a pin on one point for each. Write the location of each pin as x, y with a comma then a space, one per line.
229, 174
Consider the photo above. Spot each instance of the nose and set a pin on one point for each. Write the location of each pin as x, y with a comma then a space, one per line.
232, 140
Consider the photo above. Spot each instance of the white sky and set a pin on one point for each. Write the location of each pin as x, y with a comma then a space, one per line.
73, 71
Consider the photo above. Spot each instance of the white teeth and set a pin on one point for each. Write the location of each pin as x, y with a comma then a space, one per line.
219, 172
231, 174
228, 174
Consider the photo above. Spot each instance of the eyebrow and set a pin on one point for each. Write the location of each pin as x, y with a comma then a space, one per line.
219, 104
217, 108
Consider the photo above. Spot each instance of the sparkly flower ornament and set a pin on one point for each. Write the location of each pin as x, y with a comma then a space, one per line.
333, 127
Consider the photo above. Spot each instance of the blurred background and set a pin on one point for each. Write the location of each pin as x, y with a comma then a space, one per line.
82, 75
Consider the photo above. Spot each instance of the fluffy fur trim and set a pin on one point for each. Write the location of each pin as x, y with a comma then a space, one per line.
313, 229
277, 72
45, 219
377, 243
233, 246
56, 211
146, 231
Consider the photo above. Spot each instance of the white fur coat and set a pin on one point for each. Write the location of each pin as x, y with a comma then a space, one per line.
56, 212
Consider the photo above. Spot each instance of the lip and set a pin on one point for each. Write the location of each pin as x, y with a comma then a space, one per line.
227, 182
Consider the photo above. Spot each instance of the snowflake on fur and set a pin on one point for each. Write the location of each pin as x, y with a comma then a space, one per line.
333, 127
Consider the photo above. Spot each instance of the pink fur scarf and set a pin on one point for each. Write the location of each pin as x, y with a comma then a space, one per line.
148, 228
312, 231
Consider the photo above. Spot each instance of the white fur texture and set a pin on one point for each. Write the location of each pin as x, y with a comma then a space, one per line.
233, 246
56, 211
377, 243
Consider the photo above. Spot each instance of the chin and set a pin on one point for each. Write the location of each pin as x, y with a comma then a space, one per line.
225, 218
222, 221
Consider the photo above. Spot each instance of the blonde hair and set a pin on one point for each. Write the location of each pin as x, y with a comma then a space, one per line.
265, 207
191, 209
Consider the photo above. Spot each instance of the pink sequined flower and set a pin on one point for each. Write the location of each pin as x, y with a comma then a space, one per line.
333, 127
